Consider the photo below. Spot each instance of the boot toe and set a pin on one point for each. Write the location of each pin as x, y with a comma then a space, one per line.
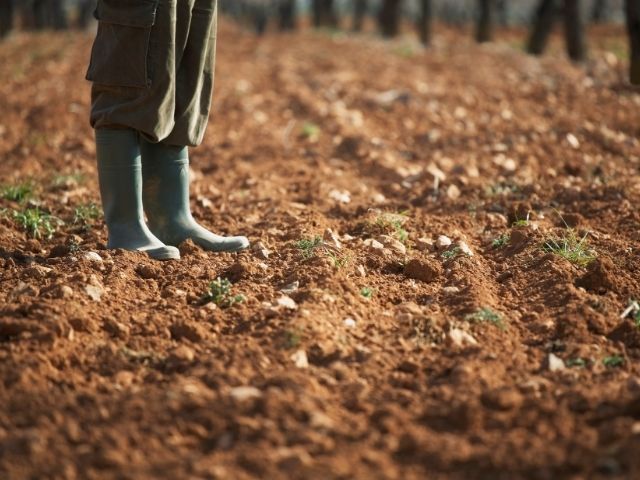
164, 253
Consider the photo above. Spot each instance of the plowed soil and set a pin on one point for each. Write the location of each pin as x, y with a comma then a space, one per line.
378, 352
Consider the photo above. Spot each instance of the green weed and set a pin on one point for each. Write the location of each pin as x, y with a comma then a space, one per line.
486, 315
84, 215
310, 130
501, 241
572, 248
367, 292
219, 292
339, 261
36, 223
393, 222
613, 361
576, 363
308, 246
451, 253
19, 192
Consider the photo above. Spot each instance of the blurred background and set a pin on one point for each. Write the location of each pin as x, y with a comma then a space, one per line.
386, 17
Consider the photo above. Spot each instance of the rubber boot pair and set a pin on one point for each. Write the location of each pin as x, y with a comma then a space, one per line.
133, 173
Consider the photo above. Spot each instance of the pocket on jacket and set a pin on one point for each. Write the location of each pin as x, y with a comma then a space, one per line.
120, 53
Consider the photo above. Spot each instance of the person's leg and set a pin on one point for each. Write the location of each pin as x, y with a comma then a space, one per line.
120, 177
165, 171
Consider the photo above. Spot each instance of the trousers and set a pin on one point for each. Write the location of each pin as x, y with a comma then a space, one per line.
152, 68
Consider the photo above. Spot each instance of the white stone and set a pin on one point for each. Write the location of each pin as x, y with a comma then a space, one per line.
92, 257
341, 196
443, 242
300, 359
349, 322
464, 248
94, 292
245, 393
460, 338
556, 364
331, 239
287, 303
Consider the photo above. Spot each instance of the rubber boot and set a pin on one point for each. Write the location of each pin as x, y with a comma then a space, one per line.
120, 175
165, 172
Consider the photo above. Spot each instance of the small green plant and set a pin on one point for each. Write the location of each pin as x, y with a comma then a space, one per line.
62, 180
613, 361
501, 241
576, 362
36, 223
84, 215
367, 292
292, 339
308, 246
339, 261
571, 247
219, 292
452, 253
310, 130
17, 193
486, 315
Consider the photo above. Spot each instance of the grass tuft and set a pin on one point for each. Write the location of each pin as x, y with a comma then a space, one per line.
36, 223
308, 246
485, 315
19, 192
572, 248
501, 241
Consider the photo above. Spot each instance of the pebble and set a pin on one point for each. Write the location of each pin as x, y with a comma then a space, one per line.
287, 303
182, 354
373, 244
94, 292
453, 192
245, 393
443, 242
424, 244
92, 257
341, 196
349, 322
361, 271
464, 248
393, 244
261, 251
451, 290
300, 359
331, 239
291, 287
573, 141
556, 364
460, 338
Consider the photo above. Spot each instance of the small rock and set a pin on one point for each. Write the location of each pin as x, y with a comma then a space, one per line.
38, 271
92, 257
453, 192
361, 271
393, 244
349, 322
261, 251
147, 272
443, 242
94, 292
424, 244
245, 393
331, 239
451, 290
460, 338
423, 270
464, 248
496, 220
555, 363
286, 302
117, 329
300, 359
573, 141
341, 196
182, 354
291, 287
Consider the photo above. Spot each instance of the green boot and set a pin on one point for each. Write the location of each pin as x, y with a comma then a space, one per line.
120, 175
165, 170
